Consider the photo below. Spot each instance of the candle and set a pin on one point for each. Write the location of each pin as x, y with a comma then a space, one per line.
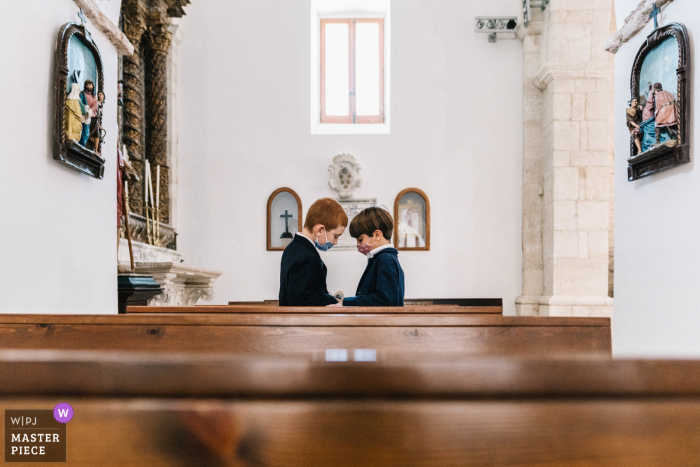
145, 185
150, 184
157, 186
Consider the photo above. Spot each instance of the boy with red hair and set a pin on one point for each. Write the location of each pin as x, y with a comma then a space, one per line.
303, 273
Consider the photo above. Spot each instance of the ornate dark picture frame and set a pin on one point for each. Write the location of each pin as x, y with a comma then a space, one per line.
426, 221
65, 150
269, 215
664, 157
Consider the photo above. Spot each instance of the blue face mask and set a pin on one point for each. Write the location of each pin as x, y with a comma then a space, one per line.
326, 246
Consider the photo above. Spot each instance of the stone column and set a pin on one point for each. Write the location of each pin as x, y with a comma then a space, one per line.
533, 175
173, 132
575, 79
157, 46
134, 26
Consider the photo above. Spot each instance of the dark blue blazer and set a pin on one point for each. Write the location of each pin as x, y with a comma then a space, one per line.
381, 283
303, 276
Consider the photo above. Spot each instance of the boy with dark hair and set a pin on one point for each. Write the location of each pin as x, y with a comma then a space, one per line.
382, 283
303, 274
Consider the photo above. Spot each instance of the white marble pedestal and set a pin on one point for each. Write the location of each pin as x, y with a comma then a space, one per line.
182, 285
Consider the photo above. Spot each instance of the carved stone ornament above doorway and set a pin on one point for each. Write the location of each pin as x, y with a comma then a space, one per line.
344, 175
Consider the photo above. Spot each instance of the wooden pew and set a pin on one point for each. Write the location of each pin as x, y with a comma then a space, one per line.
450, 309
478, 305
244, 411
307, 334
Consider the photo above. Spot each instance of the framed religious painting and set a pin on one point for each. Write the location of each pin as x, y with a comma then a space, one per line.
412, 220
79, 97
659, 111
352, 207
283, 218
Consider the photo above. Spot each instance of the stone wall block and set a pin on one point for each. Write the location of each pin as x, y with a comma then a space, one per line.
571, 16
564, 215
581, 183
532, 107
531, 44
585, 85
598, 244
597, 135
566, 183
559, 31
599, 105
561, 107
599, 34
532, 257
578, 107
533, 134
556, 311
562, 86
580, 277
592, 215
597, 183
565, 244
566, 136
583, 244
560, 158
532, 172
570, 50
589, 158
559, 5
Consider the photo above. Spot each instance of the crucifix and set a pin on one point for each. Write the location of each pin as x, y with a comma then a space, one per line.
287, 216
654, 13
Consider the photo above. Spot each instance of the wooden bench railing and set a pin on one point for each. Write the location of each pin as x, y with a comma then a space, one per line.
276, 309
205, 410
309, 334
477, 305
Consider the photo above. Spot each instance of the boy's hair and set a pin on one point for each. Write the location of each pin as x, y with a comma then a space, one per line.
327, 212
370, 220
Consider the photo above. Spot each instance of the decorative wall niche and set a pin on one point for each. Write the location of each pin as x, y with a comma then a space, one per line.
78, 130
660, 86
283, 218
412, 220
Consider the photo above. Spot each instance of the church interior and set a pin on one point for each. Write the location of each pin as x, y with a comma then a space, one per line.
526, 165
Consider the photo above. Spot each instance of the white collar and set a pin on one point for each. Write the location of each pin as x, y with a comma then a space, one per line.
371, 254
304, 236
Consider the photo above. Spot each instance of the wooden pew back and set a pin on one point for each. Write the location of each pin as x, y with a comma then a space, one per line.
320, 310
305, 334
244, 411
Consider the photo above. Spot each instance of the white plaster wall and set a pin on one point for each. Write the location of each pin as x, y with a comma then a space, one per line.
456, 133
622, 9
58, 227
657, 224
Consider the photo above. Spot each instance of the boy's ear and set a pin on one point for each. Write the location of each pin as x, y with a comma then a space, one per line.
378, 234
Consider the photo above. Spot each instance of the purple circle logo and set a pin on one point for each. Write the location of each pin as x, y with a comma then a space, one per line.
63, 413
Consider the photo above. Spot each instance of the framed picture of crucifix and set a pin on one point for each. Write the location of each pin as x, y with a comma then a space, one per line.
658, 113
412, 220
283, 218
79, 96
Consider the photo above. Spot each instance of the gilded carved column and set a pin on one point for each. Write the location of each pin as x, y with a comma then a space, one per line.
134, 25
157, 44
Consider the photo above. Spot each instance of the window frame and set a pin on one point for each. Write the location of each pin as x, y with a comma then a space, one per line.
352, 118
322, 9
